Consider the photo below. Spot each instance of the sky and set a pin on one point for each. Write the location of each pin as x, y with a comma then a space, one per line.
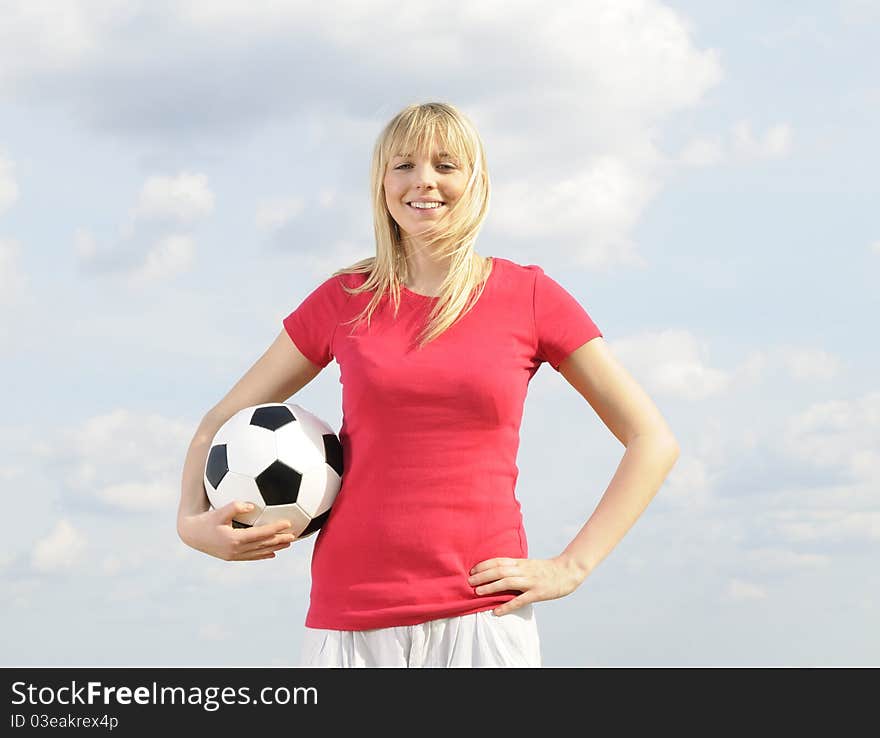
175, 177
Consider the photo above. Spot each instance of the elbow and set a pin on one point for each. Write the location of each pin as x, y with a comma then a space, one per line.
667, 451
662, 440
672, 446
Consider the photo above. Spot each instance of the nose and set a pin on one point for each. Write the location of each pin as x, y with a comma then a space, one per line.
426, 177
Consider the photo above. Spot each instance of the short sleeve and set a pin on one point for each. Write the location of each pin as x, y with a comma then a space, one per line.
312, 324
561, 322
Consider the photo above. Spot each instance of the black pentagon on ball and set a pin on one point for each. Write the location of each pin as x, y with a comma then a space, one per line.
217, 465
333, 452
272, 417
279, 484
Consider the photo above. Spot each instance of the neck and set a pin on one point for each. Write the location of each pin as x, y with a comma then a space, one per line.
426, 272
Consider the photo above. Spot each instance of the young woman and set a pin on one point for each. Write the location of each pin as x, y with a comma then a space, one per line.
423, 560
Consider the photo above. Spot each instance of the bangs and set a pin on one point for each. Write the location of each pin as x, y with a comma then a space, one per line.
422, 140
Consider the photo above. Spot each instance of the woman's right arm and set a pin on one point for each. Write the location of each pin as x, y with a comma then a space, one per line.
279, 373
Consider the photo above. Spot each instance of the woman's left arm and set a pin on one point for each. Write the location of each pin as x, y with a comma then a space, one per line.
642, 470
651, 452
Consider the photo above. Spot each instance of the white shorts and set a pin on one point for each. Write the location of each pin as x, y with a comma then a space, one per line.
480, 639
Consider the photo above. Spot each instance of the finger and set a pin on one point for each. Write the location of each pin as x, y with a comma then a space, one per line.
482, 577
262, 533
519, 584
263, 552
515, 604
493, 563
490, 575
231, 509
483, 566
256, 558
280, 539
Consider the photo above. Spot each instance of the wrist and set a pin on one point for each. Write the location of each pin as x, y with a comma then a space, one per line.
577, 569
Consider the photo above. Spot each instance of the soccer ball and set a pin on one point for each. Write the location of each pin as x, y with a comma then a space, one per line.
280, 457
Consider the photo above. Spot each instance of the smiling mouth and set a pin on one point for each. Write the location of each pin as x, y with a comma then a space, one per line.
436, 207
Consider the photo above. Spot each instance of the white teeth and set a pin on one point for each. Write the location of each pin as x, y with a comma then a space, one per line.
424, 205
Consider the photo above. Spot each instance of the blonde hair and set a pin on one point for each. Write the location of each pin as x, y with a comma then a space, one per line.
415, 129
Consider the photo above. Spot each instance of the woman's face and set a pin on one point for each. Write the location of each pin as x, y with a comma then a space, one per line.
417, 177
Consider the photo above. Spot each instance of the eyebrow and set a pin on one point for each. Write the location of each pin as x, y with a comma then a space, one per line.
441, 155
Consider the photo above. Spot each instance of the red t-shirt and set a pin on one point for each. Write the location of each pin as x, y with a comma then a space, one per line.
429, 442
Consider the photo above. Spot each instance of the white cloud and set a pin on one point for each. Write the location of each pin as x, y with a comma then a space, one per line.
139, 496
809, 479
595, 208
184, 198
709, 151
688, 485
171, 256
43, 35
633, 55
146, 252
278, 212
841, 433
671, 362
787, 362
629, 54
59, 550
129, 461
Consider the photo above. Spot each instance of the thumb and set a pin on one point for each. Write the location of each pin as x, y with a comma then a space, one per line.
236, 507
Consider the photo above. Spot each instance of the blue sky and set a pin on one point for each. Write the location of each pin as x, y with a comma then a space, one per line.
176, 177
